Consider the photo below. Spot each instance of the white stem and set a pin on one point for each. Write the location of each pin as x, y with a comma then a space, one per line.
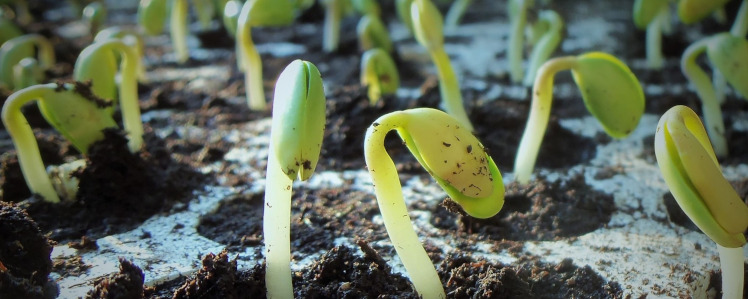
449, 88
731, 263
252, 63
178, 29
331, 33
276, 229
654, 40
516, 40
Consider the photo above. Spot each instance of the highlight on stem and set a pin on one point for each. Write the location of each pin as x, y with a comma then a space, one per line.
379, 74
610, 91
454, 157
427, 25
298, 125
691, 170
34, 46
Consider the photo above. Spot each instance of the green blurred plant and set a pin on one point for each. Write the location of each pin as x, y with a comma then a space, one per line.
652, 15
455, 13
298, 125
427, 24
549, 38
691, 171
692, 11
454, 157
334, 12
402, 7
18, 48
205, 11
98, 63
8, 29
94, 14
518, 19
379, 74
152, 16
372, 33
231, 16
132, 39
610, 91
72, 109
20, 9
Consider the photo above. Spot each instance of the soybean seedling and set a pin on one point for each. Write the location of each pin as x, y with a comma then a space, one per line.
455, 13
296, 135
379, 74
152, 16
518, 19
691, 171
453, 157
8, 29
18, 48
98, 63
728, 54
692, 11
652, 15
372, 33
546, 44
131, 38
258, 13
334, 11
94, 14
231, 16
427, 24
402, 7
72, 110
610, 91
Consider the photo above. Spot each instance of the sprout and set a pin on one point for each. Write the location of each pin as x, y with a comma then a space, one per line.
652, 15
403, 12
692, 173
258, 13
427, 23
98, 63
72, 110
152, 16
16, 49
692, 11
205, 10
373, 34
129, 37
610, 92
518, 18
231, 16
454, 158
455, 13
379, 74
26, 73
729, 55
298, 126
94, 14
367, 7
547, 43
8, 29
21, 10
334, 11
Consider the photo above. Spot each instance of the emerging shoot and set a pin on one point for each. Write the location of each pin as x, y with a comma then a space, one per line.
547, 43
152, 17
610, 91
334, 11
16, 49
518, 19
692, 11
652, 15
455, 13
94, 14
298, 126
379, 74
373, 34
427, 24
453, 157
132, 39
692, 173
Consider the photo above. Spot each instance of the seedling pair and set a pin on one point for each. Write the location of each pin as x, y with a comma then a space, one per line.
19, 66
454, 158
690, 168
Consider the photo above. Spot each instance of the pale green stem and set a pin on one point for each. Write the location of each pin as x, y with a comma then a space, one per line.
276, 229
720, 86
331, 33
394, 212
545, 46
178, 29
449, 88
23, 138
374, 90
740, 27
516, 41
731, 263
25, 73
720, 15
455, 13
205, 11
654, 40
713, 121
540, 111
128, 95
252, 70
667, 26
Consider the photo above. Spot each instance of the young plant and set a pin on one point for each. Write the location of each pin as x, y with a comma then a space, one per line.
378, 74
518, 19
129, 37
334, 11
453, 157
231, 16
295, 142
728, 54
692, 173
455, 13
258, 13
26, 73
205, 10
98, 63
16, 49
71, 109
610, 91
547, 43
402, 7
152, 17
94, 14
8, 29
692, 11
427, 24
652, 15
372, 33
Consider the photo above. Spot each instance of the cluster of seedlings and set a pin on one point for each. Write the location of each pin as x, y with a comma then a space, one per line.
106, 74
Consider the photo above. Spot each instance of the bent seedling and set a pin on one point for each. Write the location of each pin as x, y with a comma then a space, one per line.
453, 157
13, 51
298, 125
546, 44
152, 16
652, 15
690, 168
610, 91
379, 74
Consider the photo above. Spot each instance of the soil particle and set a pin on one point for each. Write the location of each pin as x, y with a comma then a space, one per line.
219, 278
126, 284
70, 266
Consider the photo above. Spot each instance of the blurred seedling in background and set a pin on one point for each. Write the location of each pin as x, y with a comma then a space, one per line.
132, 39
94, 15
379, 74
455, 13
33, 46
548, 30
152, 15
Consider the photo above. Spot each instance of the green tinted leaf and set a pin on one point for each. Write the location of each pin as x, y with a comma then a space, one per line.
270, 12
610, 91
646, 10
729, 54
373, 34
691, 11
152, 15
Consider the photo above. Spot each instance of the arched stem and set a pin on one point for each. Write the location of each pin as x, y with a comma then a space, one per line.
545, 46
449, 88
276, 229
540, 111
128, 94
655, 59
27, 148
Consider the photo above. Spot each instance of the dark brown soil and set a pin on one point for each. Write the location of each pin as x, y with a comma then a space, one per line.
125, 284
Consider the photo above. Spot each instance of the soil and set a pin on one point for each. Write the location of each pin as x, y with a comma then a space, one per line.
120, 190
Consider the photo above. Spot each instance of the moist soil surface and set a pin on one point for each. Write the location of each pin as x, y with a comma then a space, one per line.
119, 190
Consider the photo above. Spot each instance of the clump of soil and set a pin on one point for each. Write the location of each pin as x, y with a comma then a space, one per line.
25, 261
126, 284
219, 278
